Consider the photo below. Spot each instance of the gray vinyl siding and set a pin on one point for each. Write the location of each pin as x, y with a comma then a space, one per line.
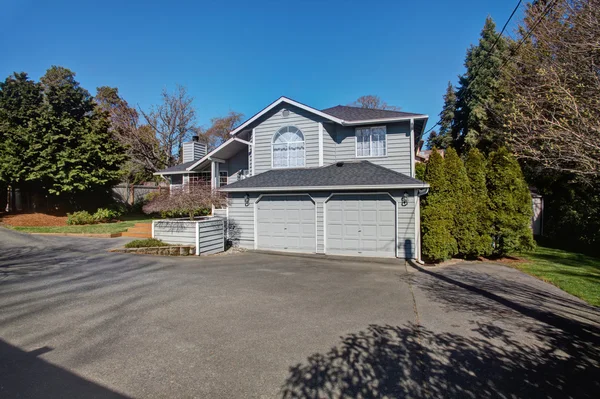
272, 122
212, 239
211, 232
329, 143
241, 219
193, 151
236, 163
398, 147
250, 155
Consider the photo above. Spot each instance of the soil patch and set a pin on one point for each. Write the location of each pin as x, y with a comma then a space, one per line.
34, 219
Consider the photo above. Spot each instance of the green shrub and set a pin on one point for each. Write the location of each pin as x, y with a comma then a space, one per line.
420, 170
148, 242
104, 215
79, 218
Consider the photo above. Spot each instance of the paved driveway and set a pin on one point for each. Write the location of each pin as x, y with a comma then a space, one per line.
77, 321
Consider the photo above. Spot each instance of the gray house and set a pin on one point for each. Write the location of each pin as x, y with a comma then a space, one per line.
334, 181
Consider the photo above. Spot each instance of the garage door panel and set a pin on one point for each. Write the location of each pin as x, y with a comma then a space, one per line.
361, 224
286, 223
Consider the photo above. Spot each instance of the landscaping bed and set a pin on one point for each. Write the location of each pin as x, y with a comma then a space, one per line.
33, 219
170, 250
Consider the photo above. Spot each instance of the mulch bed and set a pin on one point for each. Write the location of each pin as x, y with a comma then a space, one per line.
34, 219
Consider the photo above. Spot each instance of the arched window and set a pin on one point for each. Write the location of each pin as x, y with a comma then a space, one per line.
288, 148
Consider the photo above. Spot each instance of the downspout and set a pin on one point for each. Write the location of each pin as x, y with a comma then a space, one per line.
412, 147
420, 193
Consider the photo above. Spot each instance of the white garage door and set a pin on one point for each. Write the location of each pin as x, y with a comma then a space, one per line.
361, 225
286, 223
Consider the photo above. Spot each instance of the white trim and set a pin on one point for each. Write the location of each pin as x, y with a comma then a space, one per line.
197, 238
291, 102
253, 148
324, 188
320, 143
377, 193
242, 141
209, 155
417, 226
153, 228
383, 120
273, 143
412, 148
282, 195
316, 228
213, 173
370, 143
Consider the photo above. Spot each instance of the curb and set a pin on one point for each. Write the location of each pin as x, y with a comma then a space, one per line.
93, 235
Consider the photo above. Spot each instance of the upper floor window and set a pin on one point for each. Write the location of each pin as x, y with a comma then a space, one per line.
288, 148
371, 142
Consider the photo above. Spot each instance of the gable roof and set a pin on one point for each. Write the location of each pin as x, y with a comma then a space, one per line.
348, 113
337, 176
177, 169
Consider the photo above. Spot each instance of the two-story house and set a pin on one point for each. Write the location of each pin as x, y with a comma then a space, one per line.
333, 181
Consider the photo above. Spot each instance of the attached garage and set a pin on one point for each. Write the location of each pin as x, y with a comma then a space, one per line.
286, 223
360, 225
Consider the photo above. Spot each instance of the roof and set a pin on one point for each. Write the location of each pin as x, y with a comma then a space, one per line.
181, 168
341, 175
351, 114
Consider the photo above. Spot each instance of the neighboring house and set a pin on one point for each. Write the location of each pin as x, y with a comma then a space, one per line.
423, 155
333, 181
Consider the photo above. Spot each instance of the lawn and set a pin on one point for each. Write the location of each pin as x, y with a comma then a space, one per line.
100, 228
572, 272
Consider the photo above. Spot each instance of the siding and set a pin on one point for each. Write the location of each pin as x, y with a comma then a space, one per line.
398, 147
236, 164
272, 122
241, 220
329, 143
211, 231
193, 151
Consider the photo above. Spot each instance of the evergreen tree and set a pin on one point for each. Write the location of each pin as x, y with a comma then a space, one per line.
437, 219
461, 205
510, 202
444, 138
479, 205
478, 98
420, 171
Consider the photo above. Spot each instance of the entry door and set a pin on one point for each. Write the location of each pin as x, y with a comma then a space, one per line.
361, 225
286, 223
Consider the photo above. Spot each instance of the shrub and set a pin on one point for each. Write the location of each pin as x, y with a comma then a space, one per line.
79, 218
148, 242
190, 200
104, 215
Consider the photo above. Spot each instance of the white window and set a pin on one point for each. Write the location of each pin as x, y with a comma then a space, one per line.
288, 148
371, 142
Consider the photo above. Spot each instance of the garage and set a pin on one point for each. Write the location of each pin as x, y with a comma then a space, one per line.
361, 225
286, 223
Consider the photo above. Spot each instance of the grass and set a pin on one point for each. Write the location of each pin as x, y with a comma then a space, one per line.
572, 272
126, 222
148, 242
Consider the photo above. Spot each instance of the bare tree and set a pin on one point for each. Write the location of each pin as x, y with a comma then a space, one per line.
220, 128
555, 117
189, 200
173, 122
372, 101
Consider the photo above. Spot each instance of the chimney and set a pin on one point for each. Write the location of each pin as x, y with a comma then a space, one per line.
193, 150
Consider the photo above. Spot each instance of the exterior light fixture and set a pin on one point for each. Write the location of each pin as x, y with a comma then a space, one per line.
404, 201
247, 199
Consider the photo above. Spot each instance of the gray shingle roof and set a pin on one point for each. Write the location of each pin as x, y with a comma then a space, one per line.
361, 114
178, 168
361, 173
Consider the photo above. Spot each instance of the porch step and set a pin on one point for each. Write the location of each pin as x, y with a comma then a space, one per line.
136, 235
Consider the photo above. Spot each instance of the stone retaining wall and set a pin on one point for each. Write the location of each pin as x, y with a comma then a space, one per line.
179, 250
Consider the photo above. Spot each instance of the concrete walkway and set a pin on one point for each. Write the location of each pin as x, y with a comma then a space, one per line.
77, 321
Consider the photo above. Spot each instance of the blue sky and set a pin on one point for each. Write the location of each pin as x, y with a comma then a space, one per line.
241, 55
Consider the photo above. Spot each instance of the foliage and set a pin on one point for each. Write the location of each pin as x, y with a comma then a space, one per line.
479, 202
437, 215
220, 128
444, 139
554, 119
480, 93
188, 200
420, 169
461, 204
79, 218
510, 203
145, 243
372, 101
104, 215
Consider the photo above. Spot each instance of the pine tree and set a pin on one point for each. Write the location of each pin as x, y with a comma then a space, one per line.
510, 203
461, 204
444, 138
475, 165
437, 219
478, 98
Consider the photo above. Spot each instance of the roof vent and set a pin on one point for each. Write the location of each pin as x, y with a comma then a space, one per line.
285, 113
339, 164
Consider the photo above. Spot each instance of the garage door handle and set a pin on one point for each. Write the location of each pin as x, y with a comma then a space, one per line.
360, 231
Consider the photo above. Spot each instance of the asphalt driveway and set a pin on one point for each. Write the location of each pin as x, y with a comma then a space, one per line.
77, 321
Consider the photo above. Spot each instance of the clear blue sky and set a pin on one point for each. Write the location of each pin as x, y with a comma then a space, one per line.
242, 55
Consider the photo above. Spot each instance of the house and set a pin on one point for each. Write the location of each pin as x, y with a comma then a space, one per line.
334, 181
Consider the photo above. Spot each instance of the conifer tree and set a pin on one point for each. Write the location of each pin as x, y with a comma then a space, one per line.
437, 219
510, 203
460, 203
475, 165
444, 138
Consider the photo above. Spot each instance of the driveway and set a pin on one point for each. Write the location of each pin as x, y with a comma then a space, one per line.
77, 321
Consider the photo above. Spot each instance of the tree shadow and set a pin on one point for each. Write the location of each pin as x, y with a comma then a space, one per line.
24, 374
412, 361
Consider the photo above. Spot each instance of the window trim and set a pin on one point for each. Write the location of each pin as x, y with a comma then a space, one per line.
273, 143
370, 142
